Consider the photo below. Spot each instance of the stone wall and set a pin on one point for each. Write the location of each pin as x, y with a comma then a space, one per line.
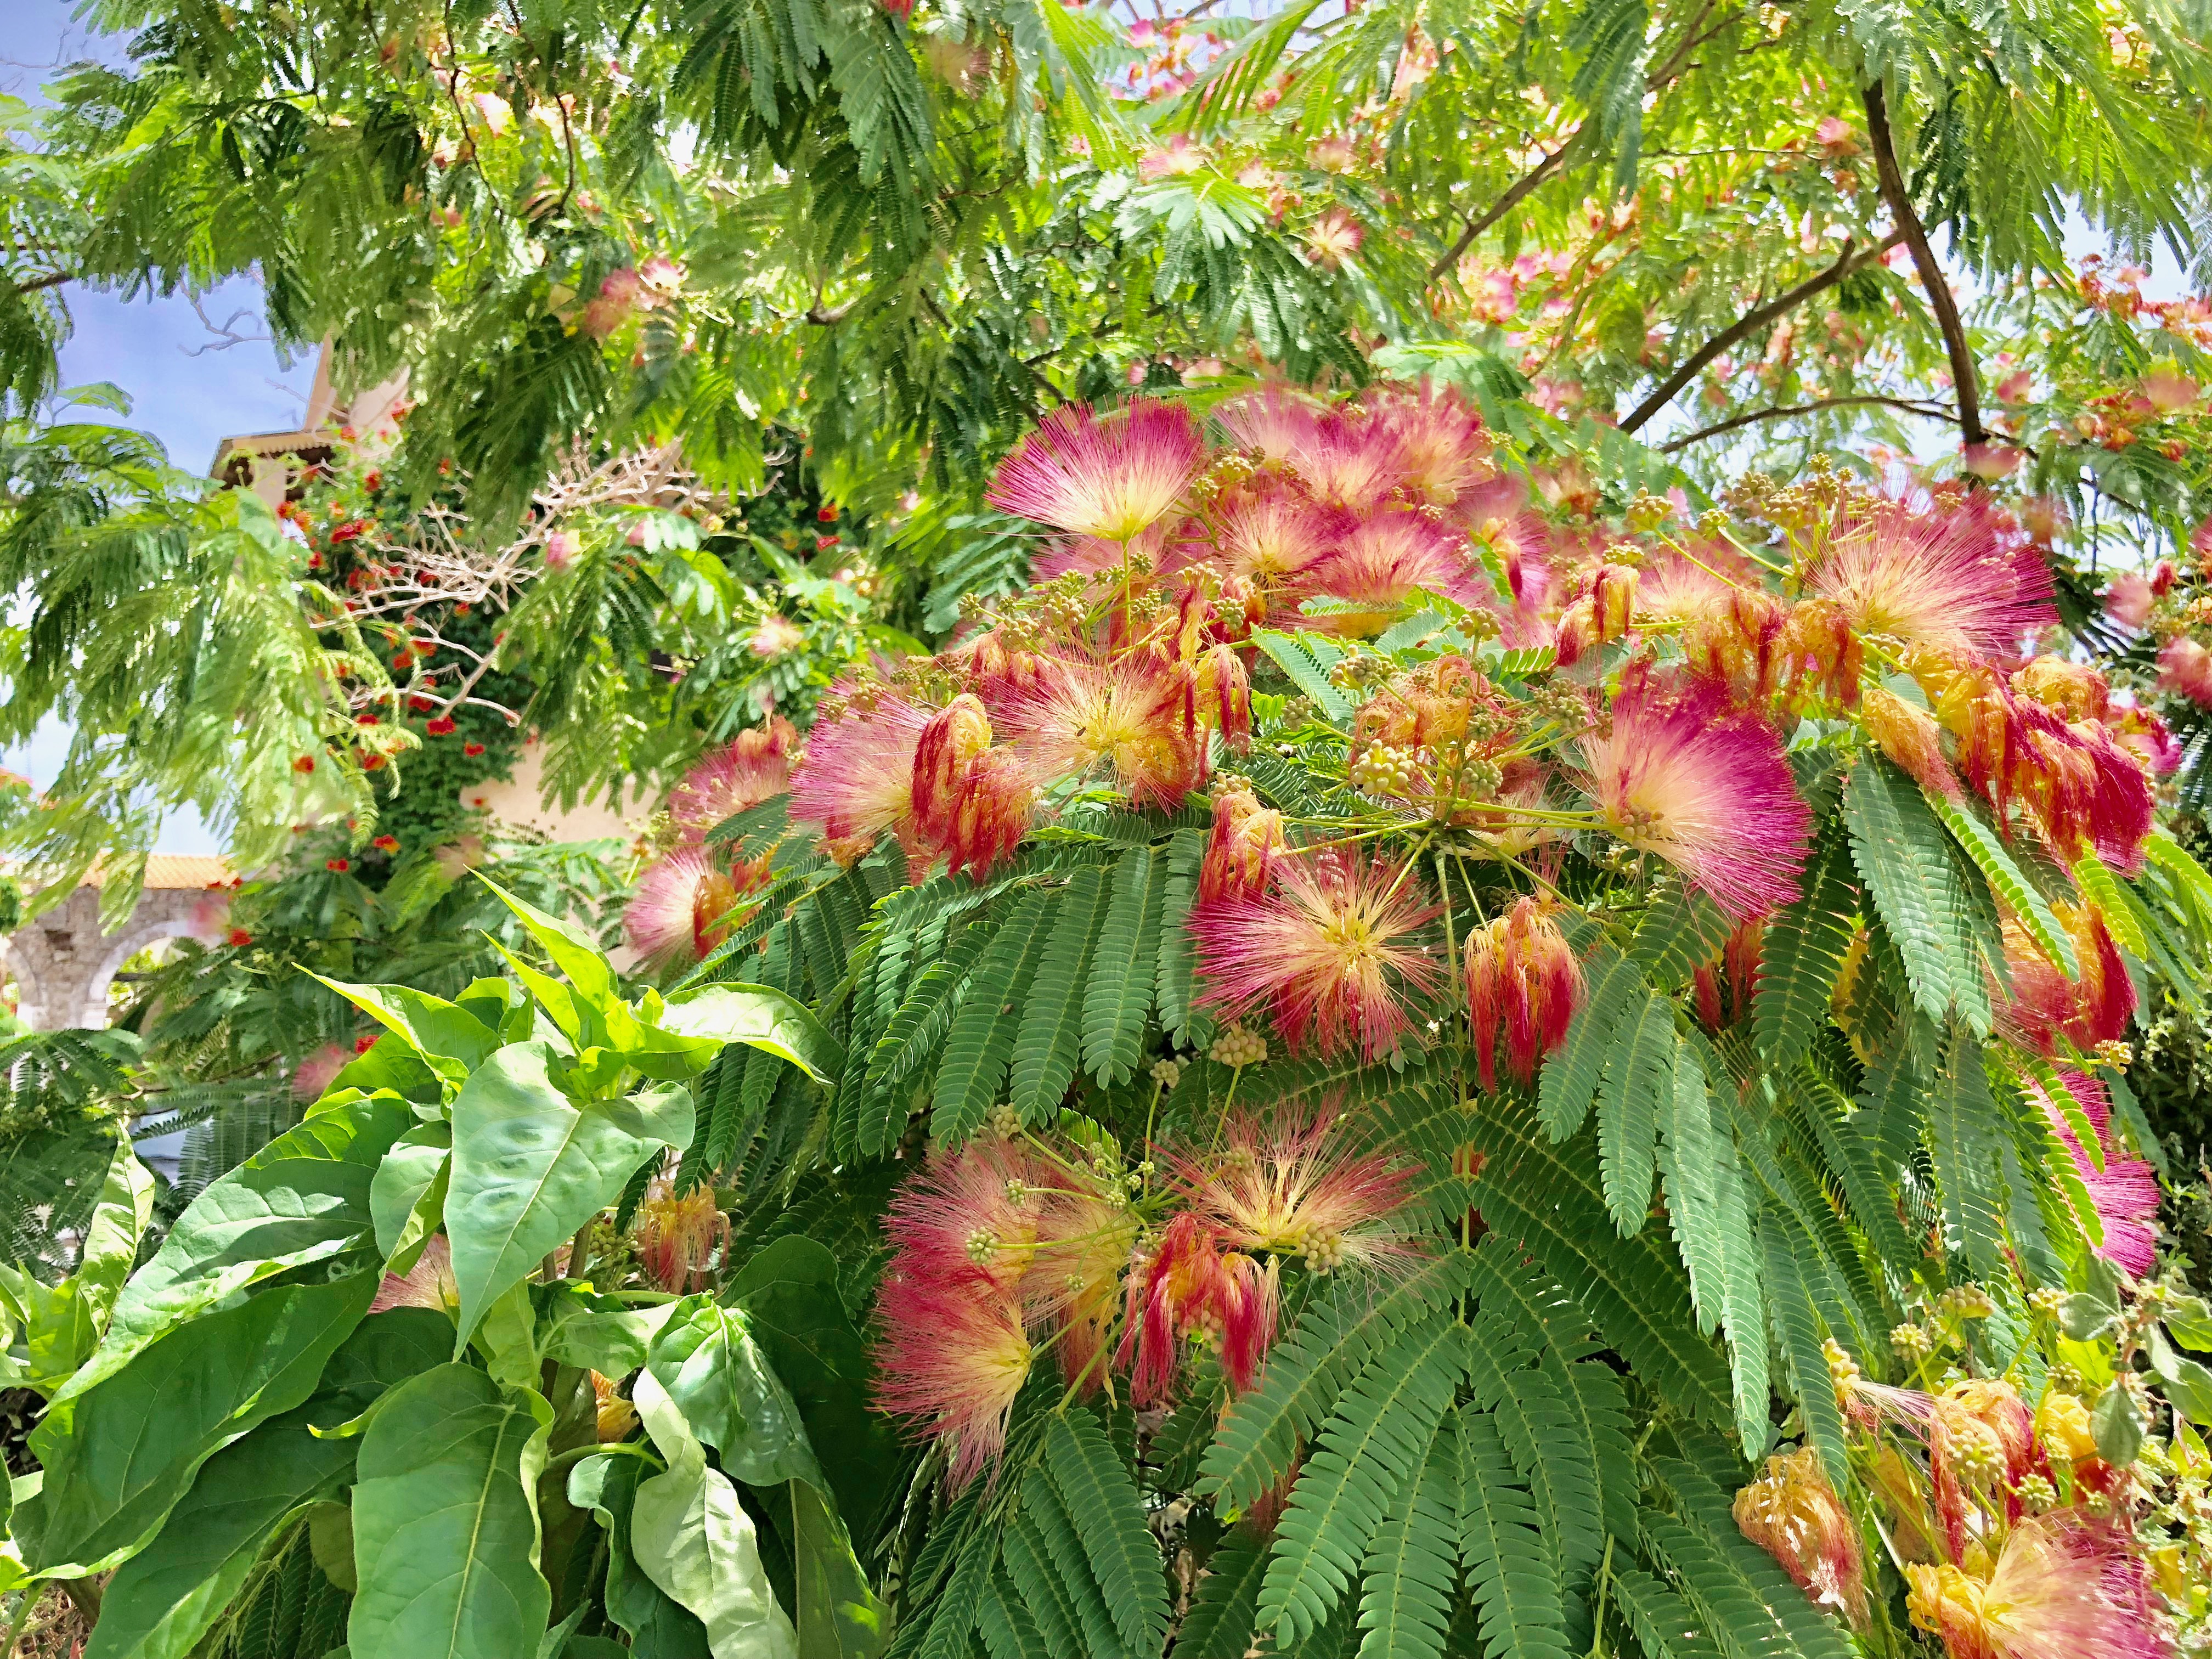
63, 962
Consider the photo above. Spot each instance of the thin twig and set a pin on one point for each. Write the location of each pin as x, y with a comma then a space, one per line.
1934, 412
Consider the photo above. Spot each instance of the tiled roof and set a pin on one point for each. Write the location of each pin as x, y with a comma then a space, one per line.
178, 872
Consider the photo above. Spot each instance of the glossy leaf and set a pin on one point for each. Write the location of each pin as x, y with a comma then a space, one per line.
696, 1541
303, 1198
163, 1598
760, 1016
119, 1455
444, 1528
528, 1168
707, 1360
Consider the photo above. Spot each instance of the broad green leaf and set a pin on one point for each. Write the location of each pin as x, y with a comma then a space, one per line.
416, 1163
529, 1169
789, 1294
119, 1455
592, 1001
760, 1016
453, 1040
839, 1617
445, 1527
599, 1334
660, 1628
2188, 1384
111, 1239
303, 1198
163, 1598
707, 1360
696, 1541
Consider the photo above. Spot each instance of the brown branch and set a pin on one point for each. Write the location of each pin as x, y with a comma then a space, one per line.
1551, 165
1847, 262
1530, 180
1934, 412
1939, 299
37, 283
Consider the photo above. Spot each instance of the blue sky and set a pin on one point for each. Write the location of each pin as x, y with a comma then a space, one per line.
147, 346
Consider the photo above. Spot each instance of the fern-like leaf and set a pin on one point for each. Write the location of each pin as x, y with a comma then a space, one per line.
1004, 1619
1962, 1128
1332, 1338
1366, 1454
1682, 931
1048, 1040
1219, 1623
1102, 1501
1509, 1572
1570, 1076
1412, 1566
1639, 1076
1803, 956
1119, 991
1545, 1198
1054, 1536
1053, 1608
1537, 1426
1906, 861
1174, 973
2022, 898
1665, 1625
981, 1039
1797, 1326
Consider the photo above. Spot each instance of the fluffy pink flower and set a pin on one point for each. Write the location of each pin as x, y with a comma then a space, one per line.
748, 769
1958, 578
1442, 446
2063, 1588
1385, 556
562, 549
684, 905
1333, 238
428, 1284
312, 1077
1135, 717
1112, 478
1273, 536
952, 1360
2045, 1005
776, 636
2125, 1191
857, 779
1189, 1283
2185, 668
2169, 391
970, 1214
1705, 790
1241, 852
2128, 600
1288, 1183
1333, 953
1346, 460
1794, 1514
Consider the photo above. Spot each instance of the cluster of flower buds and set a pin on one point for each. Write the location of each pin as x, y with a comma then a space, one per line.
1013, 1245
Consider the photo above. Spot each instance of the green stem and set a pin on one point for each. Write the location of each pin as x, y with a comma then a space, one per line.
1604, 1588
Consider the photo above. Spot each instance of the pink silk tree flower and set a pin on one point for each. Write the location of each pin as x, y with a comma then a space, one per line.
1187, 1283
1958, 577
1333, 953
685, 903
2129, 598
972, 1214
1520, 974
1289, 1182
1111, 476
1344, 460
951, 1359
1382, 558
2125, 1191
1135, 717
1442, 446
1240, 849
2185, 668
2064, 1587
753, 767
1794, 1514
1267, 530
2047, 1006
1707, 791
856, 782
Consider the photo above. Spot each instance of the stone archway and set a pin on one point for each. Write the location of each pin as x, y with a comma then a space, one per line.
63, 962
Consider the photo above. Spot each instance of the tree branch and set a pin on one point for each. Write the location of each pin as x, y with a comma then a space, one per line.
1551, 165
37, 283
1847, 262
1940, 300
1934, 412
1535, 177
